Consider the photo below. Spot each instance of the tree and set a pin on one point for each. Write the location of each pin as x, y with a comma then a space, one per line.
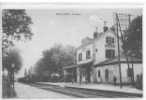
54, 59
13, 57
132, 43
15, 26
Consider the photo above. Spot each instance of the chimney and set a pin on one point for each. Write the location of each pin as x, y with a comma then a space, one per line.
105, 28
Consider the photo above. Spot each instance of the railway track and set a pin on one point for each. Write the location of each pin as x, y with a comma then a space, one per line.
84, 93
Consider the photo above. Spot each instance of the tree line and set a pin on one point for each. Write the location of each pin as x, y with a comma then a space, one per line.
52, 62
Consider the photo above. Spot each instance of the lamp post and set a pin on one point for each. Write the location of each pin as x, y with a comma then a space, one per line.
13, 66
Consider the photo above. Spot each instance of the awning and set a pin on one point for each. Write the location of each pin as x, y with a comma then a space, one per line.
86, 64
116, 61
78, 65
70, 66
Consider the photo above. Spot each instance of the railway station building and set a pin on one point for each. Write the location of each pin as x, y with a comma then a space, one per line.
97, 61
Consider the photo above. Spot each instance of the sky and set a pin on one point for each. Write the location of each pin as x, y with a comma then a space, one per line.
61, 26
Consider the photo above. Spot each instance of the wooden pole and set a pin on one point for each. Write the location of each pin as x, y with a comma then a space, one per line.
117, 25
123, 42
132, 63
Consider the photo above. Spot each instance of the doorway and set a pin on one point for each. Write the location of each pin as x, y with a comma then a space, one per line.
107, 75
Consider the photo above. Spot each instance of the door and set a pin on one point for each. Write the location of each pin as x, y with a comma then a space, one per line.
107, 75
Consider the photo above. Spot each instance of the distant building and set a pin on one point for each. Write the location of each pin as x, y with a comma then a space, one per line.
97, 61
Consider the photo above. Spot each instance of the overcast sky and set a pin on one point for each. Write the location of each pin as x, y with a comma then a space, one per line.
65, 27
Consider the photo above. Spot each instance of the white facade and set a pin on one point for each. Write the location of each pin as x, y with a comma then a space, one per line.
83, 51
101, 46
113, 71
97, 47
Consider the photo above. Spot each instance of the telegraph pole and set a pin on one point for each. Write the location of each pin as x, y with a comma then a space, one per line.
129, 16
126, 54
117, 25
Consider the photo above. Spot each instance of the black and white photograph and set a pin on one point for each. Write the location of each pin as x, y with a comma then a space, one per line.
72, 51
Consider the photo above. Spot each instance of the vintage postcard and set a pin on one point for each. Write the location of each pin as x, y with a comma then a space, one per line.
72, 51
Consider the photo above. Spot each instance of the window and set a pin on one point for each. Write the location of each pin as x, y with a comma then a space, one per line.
88, 54
80, 56
110, 53
109, 40
99, 73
